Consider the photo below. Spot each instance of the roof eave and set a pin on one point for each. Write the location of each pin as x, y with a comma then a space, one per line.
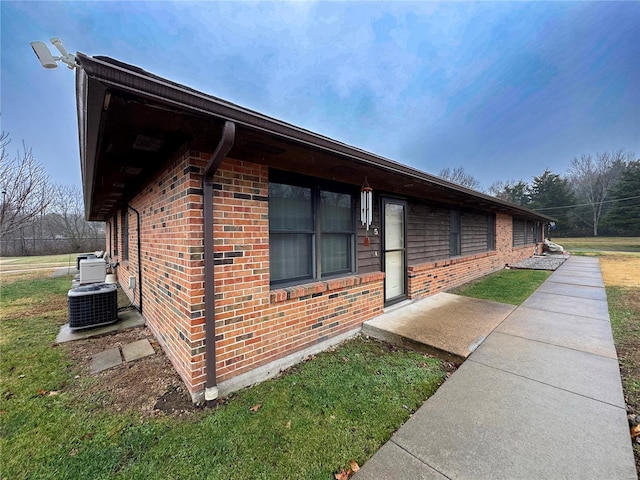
99, 75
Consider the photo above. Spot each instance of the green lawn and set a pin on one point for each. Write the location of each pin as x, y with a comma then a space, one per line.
506, 286
10, 265
341, 405
600, 244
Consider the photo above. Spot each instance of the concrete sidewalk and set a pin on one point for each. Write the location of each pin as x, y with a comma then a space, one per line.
540, 398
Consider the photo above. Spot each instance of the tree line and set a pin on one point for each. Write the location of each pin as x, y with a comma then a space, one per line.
38, 216
599, 195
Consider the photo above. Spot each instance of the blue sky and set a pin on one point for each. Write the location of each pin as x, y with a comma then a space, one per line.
504, 89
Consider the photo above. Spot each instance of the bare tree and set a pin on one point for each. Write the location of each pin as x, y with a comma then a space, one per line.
25, 188
592, 178
460, 177
67, 217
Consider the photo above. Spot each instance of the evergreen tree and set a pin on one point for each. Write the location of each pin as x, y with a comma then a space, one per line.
511, 191
623, 217
551, 194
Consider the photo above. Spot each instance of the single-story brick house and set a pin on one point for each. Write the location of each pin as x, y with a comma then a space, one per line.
238, 235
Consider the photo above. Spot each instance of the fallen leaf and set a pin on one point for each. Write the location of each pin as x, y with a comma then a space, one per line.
342, 475
345, 359
288, 424
73, 452
354, 466
255, 408
635, 431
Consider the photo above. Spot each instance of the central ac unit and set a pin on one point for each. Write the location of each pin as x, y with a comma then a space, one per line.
92, 270
93, 305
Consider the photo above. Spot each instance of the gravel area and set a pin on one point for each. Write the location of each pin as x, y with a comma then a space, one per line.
541, 262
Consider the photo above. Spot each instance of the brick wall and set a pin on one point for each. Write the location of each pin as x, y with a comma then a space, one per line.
254, 324
432, 277
170, 207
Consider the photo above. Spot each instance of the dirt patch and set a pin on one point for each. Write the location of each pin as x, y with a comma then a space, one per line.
148, 387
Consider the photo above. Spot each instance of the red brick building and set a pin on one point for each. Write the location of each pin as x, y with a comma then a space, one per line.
240, 237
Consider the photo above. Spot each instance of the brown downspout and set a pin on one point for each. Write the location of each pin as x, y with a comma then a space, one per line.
224, 145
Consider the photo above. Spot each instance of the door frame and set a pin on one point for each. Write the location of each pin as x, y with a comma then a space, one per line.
385, 200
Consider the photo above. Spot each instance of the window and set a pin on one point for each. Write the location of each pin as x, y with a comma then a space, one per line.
311, 231
115, 235
519, 232
491, 232
125, 234
454, 233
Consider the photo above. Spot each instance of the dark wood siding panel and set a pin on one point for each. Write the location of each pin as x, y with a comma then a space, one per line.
531, 232
368, 261
518, 232
474, 233
539, 233
427, 233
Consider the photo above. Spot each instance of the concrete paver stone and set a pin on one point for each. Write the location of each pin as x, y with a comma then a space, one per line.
580, 333
105, 360
136, 350
392, 462
581, 307
581, 291
592, 376
561, 277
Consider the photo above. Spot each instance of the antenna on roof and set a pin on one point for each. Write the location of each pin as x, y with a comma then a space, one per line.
49, 61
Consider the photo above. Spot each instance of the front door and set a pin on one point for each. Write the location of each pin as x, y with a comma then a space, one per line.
394, 250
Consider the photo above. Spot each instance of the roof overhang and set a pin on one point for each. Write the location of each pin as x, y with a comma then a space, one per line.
131, 123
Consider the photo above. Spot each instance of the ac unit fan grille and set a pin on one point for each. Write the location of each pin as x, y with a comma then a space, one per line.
92, 306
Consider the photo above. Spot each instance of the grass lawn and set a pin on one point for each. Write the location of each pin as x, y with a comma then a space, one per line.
309, 423
61, 260
599, 244
506, 286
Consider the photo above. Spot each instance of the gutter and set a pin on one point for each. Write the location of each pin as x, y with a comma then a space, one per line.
139, 258
224, 145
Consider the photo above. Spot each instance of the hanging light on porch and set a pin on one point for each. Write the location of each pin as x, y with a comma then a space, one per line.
366, 208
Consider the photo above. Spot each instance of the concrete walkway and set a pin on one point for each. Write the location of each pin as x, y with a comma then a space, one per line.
540, 398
